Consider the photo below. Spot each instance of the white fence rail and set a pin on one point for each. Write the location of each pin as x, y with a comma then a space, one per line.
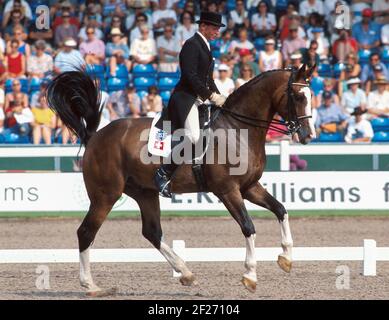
369, 254
284, 149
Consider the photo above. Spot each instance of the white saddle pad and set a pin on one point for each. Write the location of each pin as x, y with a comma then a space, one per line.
160, 141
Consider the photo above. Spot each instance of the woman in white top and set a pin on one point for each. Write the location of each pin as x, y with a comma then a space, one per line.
187, 27
246, 74
270, 58
224, 83
263, 22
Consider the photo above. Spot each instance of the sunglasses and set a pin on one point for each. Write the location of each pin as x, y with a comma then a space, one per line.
90, 32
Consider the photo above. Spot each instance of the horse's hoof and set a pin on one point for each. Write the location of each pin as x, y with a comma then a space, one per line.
249, 284
101, 293
284, 263
188, 280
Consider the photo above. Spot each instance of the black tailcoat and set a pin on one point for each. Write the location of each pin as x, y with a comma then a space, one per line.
196, 63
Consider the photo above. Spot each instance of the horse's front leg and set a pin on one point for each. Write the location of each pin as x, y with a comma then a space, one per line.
235, 205
258, 195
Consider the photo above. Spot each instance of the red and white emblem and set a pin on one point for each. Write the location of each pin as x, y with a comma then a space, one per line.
159, 145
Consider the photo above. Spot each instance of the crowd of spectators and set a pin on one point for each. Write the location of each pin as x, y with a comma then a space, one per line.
349, 85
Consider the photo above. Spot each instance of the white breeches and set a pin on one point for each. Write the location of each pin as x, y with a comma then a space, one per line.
192, 125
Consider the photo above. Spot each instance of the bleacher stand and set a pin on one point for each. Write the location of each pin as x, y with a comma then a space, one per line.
135, 58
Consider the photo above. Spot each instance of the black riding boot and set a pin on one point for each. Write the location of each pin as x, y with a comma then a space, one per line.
162, 179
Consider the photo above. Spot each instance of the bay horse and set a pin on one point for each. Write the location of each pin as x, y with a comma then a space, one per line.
112, 164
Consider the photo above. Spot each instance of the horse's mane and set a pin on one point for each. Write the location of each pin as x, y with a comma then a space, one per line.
238, 93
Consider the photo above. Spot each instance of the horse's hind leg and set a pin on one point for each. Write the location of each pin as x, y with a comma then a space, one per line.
258, 195
235, 205
86, 233
148, 201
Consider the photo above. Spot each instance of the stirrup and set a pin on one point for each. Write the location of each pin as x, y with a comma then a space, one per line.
162, 182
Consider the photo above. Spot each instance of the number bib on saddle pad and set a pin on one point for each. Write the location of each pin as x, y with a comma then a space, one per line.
160, 141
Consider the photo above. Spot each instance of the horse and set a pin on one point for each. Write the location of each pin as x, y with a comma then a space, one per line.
112, 162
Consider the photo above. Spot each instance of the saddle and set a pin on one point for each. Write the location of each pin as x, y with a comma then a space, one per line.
160, 139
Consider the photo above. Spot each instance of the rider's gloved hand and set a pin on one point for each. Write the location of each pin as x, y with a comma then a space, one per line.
217, 99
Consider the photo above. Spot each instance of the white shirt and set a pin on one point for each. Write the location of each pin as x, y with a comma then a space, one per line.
267, 22
25, 116
378, 101
183, 34
306, 8
238, 18
143, 49
135, 34
69, 61
205, 40
363, 127
350, 100
163, 14
225, 87
385, 34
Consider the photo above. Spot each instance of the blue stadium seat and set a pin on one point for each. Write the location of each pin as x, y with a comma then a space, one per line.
143, 70
324, 70
35, 84
331, 137
380, 124
96, 70
364, 56
317, 85
259, 44
14, 138
176, 74
338, 68
116, 84
281, 4
385, 56
381, 137
121, 72
231, 5
143, 83
166, 83
165, 95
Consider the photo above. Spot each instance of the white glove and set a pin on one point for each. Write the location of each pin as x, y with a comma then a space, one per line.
217, 99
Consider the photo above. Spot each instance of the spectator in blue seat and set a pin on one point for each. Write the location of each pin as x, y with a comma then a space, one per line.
330, 117
163, 16
135, 33
35, 96
368, 70
18, 5
354, 96
68, 58
292, 43
378, 100
242, 42
168, 50
144, 50
187, 28
40, 64
263, 22
65, 30
359, 129
19, 119
238, 18
329, 85
116, 23
270, 58
367, 32
15, 21
117, 52
152, 102
310, 56
93, 49
246, 57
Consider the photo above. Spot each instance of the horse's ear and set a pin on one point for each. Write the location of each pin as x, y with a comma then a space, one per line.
301, 72
309, 72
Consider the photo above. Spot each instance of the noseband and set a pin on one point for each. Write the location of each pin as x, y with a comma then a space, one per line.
292, 124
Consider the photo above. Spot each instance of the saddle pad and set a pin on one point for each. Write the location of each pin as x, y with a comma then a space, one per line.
159, 140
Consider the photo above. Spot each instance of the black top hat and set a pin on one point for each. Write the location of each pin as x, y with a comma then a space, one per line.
211, 18
358, 111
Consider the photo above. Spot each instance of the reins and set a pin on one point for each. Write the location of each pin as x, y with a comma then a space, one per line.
292, 124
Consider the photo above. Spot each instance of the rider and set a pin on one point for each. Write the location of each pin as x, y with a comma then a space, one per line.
196, 85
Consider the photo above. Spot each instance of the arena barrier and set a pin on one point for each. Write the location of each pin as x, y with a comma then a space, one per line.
369, 254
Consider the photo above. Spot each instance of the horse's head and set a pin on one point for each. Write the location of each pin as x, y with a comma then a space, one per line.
298, 109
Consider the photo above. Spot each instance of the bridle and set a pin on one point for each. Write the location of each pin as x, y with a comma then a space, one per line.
292, 124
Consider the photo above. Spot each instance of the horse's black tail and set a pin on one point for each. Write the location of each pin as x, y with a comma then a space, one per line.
75, 97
